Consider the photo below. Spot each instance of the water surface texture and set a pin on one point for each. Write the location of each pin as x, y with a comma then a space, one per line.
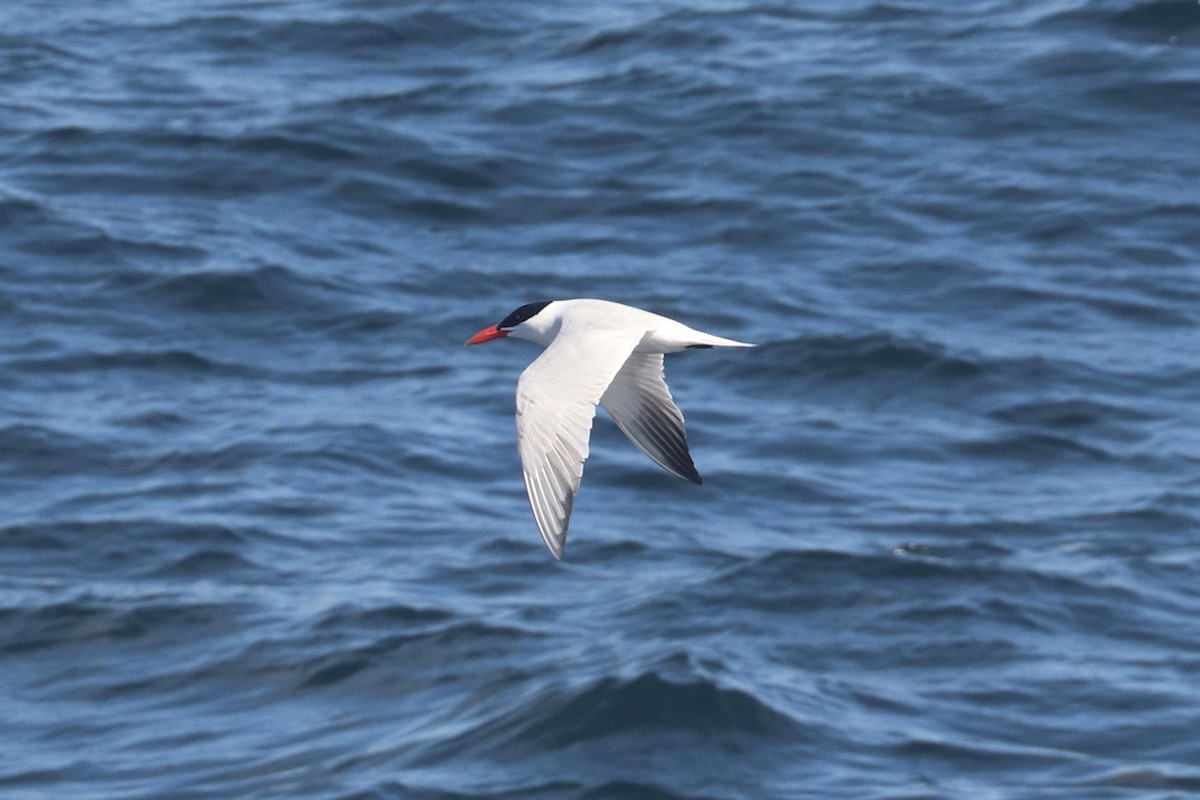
264, 533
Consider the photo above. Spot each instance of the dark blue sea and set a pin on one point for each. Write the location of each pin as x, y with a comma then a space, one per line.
263, 532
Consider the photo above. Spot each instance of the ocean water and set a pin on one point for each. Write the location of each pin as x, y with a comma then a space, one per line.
264, 533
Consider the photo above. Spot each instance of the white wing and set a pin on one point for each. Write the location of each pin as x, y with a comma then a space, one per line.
556, 403
640, 403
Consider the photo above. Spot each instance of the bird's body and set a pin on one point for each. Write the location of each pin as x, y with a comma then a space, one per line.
596, 352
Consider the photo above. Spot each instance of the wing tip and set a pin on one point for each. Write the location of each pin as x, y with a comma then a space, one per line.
557, 547
556, 544
556, 541
680, 463
687, 471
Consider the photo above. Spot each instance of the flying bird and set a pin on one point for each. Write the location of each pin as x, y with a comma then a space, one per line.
596, 352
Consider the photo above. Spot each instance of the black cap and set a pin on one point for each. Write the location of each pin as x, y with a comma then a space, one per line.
521, 314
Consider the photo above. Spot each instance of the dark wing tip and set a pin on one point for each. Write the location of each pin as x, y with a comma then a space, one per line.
687, 470
665, 442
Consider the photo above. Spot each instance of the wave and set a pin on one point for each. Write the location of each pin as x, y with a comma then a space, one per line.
136, 163
271, 289
979, 755
371, 196
639, 790
435, 648
1155, 21
1038, 447
1181, 779
891, 368
650, 703
1069, 413
1066, 428
449, 788
350, 616
41, 230
154, 420
207, 563
685, 31
861, 359
180, 361
73, 623
75, 534
646, 706
357, 38
1158, 516
852, 356
787, 580
39, 451
184, 362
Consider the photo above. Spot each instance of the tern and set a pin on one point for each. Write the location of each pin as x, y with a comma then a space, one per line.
596, 352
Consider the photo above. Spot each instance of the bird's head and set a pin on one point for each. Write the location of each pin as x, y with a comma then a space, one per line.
527, 322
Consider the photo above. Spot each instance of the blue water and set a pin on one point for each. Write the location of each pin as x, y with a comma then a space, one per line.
264, 533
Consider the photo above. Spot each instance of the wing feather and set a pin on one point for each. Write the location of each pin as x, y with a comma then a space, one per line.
556, 403
640, 403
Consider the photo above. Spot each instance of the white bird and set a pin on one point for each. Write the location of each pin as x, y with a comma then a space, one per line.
602, 352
